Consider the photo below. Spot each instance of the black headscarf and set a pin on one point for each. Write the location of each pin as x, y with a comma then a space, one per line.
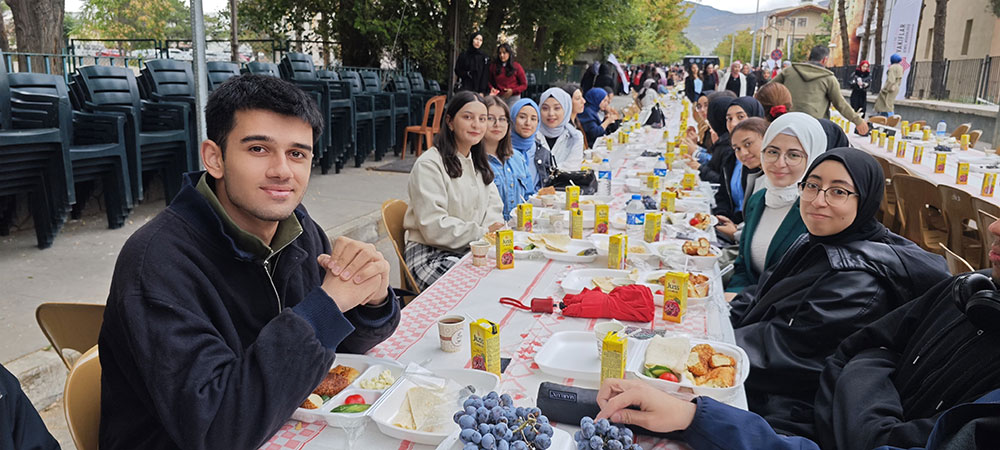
750, 106
835, 136
472, 48
717, 108
869, 183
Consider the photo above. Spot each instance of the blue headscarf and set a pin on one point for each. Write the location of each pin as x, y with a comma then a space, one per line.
526, 146
592, 109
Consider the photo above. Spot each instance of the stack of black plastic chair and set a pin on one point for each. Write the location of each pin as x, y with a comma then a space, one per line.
419, 95
364, 117
33, 162
170, 80
385, 112
342, 137
263, 68
156, 133
298, 68
95, 141
401, 89
220, 71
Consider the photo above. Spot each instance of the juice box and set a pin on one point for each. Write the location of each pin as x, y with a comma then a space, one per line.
668, 201
881, 139
610, 143
989, 183
613, 349
873, 136
675, 294
939, 162
485, 346
505, 249
524, 219
689, 181
670, 146
901, 149
654, 226
572, 197
653, 182
927, 133
905, 126
965, 142
963, 173
892, 144
669, 158
684, 149
576, 223
617, 251
601, 218
918, 154
666, 134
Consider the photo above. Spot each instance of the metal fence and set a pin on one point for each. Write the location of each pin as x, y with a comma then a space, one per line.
973, 80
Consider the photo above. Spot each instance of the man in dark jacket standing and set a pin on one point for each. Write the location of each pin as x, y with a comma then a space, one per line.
888, 383
227, 308
815, 88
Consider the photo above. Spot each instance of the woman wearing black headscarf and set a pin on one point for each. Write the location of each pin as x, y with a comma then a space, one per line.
845, 273
471, 67
724, 166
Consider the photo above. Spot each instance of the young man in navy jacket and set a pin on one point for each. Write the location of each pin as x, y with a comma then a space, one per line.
226, 309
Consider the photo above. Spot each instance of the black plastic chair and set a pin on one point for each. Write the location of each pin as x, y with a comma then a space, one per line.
385, 112
364, 117
170, 80
401, 89
342, 136
220, 71
263, 68
156, 133
298, 68
95, 141
419, 95
33, 162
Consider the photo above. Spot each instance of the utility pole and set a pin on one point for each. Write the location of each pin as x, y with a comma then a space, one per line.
732, 48
198, 64
234, 40
753, 37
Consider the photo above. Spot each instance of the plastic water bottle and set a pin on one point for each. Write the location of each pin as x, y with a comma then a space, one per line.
604, 178
942, 128
660, 169
635, 217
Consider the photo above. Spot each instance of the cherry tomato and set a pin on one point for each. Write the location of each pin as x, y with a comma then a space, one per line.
518, 247
694, 222
359, 400
669, 377
659, 292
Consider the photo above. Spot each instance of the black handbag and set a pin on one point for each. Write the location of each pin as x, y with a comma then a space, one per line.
586, 179
656, 119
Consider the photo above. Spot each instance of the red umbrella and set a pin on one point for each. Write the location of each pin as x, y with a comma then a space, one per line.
632, 303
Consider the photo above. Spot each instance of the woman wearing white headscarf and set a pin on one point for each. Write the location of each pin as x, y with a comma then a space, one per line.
559, 136
772, 220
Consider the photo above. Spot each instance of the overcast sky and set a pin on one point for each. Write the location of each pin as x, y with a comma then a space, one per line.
737, 6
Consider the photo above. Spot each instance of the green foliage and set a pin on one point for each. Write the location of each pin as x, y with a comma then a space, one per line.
803, 47
140, 19
743, 47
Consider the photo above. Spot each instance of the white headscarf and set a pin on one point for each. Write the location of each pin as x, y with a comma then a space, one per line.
810, 134
567, 104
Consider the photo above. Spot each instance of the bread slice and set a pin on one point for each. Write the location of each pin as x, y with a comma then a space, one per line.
721, 360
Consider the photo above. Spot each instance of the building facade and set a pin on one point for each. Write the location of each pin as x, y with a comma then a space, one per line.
785, 28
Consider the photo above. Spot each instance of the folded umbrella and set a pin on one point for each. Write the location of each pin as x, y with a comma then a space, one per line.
633, 303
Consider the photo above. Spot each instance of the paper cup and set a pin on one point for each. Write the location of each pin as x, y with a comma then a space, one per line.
601, 330
451, 330
479, 251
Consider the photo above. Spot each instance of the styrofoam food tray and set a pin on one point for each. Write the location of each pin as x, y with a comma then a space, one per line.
395, 396
573, 354
368, 367
720, 394
542, 216
561, 440
520, 240
575, 246
576, 280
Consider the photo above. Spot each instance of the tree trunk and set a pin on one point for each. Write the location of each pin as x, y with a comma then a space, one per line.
4, 42
879, 60
495, 14
234, 40
38, 26
541, 37
359, 53
845, 41
937, 52
865, 41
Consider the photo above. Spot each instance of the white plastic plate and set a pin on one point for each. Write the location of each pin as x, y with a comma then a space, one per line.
573, 354
575, 247
577, 280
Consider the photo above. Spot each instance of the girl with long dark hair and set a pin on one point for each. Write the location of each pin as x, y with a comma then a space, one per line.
453, 200
507, 76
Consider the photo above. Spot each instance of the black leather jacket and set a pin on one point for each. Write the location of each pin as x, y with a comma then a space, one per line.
804, 307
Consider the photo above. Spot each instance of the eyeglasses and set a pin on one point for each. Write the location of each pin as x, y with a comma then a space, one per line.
793, 158
493, 120
834, 196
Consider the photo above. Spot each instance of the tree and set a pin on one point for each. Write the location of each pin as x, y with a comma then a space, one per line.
869, 15
803, 47
937, 53
38, 27
845, 41
880, 8
744, 44
134, 19
4, 42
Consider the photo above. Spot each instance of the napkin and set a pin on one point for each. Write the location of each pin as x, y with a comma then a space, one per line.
632, 303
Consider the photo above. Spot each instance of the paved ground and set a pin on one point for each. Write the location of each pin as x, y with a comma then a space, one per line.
78, 268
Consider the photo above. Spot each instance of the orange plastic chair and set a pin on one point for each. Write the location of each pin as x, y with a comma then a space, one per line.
82, 400
393, 212
425, 129
73, 326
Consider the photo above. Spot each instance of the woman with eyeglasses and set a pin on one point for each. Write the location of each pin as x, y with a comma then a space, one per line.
509, 173
772, 220
845, 272
453, 200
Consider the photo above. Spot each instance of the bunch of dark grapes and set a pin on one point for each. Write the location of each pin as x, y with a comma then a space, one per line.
492, 422
602, 435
